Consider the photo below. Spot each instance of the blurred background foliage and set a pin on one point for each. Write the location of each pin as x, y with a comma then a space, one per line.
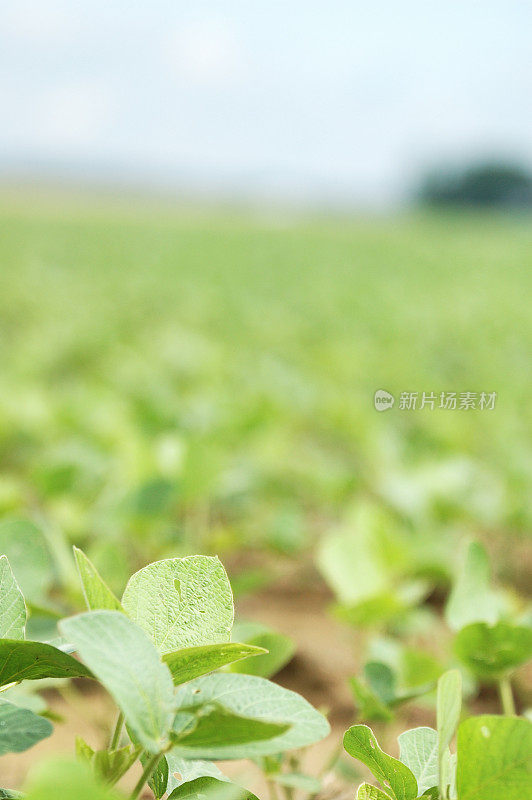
175, 382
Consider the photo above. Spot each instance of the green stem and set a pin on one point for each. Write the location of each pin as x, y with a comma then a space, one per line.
146, 775
115, 738
507, 697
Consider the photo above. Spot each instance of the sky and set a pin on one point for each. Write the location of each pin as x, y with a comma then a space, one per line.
342, 100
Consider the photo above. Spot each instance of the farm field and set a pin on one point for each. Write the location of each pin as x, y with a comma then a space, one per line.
177, 383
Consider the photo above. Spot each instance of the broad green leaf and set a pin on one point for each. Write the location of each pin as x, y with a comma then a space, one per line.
69, 780
258, 699
419, 751
472, 599
360, 743
449, 705
182, 770
280, 649
29, 555
7, 794
208, 788
494, 758
368, 792
181, 602
96, 592
490, 652
12, 605
205, 728
24, 660
125, 661
193, 662
20, 728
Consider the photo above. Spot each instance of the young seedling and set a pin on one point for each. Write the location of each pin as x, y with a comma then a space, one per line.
156, 652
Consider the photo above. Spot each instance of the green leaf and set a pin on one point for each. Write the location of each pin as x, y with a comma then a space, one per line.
69, 780
7, 794
183, 770
494, 758
20, 728
125, 661
472, 599
419, 751
368, 792
280, 649
12, 605
24, 660
257, 699
192, 662
491, 652
208, 788
96, 592
357, 560
29, 555
360, 743
158, 782
181, 602
205, 728
449, 705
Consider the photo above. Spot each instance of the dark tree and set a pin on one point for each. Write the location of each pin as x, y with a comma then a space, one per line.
491, 184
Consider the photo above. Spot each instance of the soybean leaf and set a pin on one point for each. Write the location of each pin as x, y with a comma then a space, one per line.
207, 727
181, 602
20, 728
280, 649
125, 661
490, 652
24, 660
419, 751
360, 743
96, 592
12, 605
368, 792
28, 553
70, 780
192, 662
494, 758
449, 705
158, 782
472, 599
182, 770
8, 794
256, 699
208, 788
381, 680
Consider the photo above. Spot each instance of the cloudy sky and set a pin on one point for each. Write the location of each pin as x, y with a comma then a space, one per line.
336, 98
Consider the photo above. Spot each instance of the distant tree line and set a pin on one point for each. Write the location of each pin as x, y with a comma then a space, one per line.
489, 184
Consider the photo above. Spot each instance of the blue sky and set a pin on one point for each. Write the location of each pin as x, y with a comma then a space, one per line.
337, 99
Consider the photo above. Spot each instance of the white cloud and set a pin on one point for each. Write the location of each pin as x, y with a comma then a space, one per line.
207, 53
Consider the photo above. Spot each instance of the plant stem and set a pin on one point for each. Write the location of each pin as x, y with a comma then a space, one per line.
272, 792
507, 697
115, 738
146, 775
